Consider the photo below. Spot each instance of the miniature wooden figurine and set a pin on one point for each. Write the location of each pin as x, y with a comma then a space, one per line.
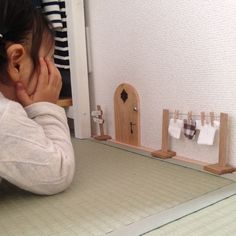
97, 118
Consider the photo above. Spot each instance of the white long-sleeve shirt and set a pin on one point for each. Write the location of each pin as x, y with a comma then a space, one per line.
36, 153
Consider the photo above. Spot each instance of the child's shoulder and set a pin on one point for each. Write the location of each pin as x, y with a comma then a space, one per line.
4, 103
3, 100
7, 105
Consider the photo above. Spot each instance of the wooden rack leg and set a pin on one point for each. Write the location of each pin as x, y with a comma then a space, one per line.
164, 153
221, 167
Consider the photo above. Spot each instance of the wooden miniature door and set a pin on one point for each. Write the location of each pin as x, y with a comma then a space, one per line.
127, 115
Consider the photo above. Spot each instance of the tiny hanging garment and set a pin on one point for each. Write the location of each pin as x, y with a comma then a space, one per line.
207, 133
199, 124
175, 127
189, 128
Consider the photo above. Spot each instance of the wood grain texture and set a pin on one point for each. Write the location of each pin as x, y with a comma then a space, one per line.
127, 115
64, 102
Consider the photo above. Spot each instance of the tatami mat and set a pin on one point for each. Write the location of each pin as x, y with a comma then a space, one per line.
112, 188
216, 220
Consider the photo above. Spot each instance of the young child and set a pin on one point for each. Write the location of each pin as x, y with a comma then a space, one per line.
36, 153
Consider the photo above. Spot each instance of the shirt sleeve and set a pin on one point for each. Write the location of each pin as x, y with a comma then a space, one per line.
37, 154
52, 119
53, 12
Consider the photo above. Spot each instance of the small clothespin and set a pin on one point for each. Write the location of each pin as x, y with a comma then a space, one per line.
176, 115
203, 118
190, 114
212, 117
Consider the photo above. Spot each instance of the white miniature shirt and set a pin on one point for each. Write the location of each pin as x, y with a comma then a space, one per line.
207, 132
175, 127
36, 153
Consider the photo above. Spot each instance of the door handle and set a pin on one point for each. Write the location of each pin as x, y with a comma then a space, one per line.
131, 127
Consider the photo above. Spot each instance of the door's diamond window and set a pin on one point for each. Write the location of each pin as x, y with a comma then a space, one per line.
124, 95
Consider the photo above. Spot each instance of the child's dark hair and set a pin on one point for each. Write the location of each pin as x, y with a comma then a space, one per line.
18, 20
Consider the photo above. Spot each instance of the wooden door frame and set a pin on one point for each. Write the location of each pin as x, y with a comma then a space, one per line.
138, 107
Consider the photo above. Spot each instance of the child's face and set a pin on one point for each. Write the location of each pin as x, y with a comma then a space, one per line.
30, 74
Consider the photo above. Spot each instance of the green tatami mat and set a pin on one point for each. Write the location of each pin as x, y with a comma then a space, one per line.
112, 189
216, 220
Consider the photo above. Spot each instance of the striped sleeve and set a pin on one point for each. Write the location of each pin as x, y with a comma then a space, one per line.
55, 11
52, 11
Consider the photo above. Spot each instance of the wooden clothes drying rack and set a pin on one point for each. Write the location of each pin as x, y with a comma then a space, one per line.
219, 168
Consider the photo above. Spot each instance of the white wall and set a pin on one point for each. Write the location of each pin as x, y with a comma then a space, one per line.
179, 54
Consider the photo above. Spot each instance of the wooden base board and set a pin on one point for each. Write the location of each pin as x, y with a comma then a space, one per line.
150, 150
102, 137
219, 170
163, 155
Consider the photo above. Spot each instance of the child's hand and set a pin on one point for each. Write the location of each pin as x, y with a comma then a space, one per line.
48, 85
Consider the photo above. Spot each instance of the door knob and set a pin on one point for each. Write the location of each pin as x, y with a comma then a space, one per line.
131, 127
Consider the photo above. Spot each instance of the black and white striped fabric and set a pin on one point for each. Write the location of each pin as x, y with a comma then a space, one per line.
189, 128
55, 11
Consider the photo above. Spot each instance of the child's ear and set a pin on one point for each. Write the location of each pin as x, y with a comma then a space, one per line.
15, 54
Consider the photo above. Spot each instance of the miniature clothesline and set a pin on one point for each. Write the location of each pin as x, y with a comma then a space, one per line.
221, 167
206, 135
204, 117
198, 115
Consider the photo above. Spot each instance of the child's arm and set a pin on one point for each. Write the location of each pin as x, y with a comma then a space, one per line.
37, 154
37, 151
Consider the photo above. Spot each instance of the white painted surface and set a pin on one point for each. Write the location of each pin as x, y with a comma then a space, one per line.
79, 71
177, 54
